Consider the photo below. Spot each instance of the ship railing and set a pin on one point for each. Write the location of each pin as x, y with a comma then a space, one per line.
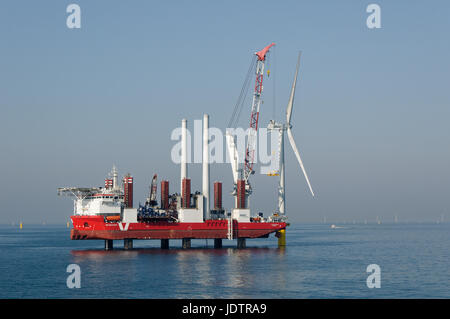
230, 228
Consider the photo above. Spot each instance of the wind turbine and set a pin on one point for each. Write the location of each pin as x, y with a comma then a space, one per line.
281, 128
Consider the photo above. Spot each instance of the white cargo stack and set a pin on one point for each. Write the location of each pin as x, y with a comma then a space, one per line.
129, 215
242, 215
192, 215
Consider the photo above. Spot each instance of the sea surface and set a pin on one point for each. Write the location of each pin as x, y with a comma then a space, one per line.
318, 262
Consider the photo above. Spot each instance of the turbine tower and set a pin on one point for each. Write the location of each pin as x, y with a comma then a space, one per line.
281, 128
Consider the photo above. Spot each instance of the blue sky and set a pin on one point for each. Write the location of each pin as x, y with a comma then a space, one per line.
370, 118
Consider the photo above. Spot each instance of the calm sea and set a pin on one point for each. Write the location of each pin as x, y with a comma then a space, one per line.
319, 262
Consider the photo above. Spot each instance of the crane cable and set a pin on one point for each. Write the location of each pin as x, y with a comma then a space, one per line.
240, 102
271, 64
274, 82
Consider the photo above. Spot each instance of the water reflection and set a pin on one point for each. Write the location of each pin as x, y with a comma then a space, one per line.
195, 272
99, 253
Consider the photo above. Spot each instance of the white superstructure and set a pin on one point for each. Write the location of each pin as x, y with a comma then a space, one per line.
99, 204
96, 200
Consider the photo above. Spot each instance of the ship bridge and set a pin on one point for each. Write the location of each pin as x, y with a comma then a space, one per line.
94, 201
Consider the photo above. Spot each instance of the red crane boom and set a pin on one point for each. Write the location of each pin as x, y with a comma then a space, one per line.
251, 144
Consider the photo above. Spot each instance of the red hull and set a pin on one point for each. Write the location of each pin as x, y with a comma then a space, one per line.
94, 227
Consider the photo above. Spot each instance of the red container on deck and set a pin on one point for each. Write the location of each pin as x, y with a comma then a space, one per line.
128, 191
186, 193
217, 195
164, 194
240, 193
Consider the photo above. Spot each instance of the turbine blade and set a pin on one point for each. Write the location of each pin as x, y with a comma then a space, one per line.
294, 148
291, 97
234, 157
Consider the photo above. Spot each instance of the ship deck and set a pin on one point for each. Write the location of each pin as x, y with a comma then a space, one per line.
94, 227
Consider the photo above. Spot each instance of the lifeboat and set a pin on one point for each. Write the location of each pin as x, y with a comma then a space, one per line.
113, 218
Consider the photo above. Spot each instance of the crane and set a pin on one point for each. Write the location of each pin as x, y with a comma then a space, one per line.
251, 144
151, 200
242, 186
